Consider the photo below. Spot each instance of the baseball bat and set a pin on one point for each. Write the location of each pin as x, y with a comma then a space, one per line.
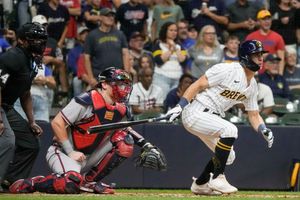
118, 125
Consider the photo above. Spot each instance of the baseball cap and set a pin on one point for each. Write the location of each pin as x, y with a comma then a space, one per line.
137, 34
41, 19
263, 13
81, 29
272, 57
106, 11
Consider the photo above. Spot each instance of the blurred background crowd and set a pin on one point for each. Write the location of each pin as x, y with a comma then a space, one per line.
164, 44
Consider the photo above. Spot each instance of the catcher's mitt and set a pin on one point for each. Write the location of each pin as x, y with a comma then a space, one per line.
151, 157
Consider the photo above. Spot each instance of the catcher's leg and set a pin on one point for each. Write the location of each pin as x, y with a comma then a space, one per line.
122, 148
67, 183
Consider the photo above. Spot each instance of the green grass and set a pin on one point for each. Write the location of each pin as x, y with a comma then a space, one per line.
132, 194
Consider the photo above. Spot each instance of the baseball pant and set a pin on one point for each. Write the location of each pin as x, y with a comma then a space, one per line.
27, 146
208, 127
7, 146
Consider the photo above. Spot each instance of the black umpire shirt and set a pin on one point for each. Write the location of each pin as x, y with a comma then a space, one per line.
16, 74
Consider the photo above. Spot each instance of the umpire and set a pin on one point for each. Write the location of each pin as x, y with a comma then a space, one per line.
19, 141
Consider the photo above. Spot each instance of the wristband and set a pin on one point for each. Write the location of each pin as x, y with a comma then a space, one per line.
261, 127
67, 146
183, 102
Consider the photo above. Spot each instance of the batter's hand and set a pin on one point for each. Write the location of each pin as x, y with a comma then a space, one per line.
174, 113
36, 129
268, 135
78, 156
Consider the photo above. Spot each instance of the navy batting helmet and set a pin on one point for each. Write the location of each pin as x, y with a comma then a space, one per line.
246, 49
120, 81
36, 35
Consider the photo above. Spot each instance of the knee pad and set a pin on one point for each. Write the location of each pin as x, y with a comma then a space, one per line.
123, 143
68, 183
231, 157
230, 131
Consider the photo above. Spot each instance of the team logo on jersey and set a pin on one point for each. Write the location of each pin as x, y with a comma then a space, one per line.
233, 95
109, 115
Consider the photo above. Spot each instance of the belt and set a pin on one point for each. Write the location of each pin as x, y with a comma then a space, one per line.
212, 112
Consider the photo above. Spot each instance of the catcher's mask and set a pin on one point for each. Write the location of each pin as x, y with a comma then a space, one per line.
119, 80
36, 36
246, 49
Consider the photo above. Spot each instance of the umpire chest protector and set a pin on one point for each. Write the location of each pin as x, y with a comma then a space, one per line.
102, 114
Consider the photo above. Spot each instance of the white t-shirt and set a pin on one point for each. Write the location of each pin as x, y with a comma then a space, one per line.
265, 96
146, 99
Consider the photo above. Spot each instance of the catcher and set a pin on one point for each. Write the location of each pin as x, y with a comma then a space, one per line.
78, 160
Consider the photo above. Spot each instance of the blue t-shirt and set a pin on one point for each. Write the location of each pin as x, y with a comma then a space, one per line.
278, 85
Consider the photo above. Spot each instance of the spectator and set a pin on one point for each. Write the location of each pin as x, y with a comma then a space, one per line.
272, 41
185, 41
265, 99
22, 10
291, 70
75, 59
242, 17
164, 11
284, 21
208, 12
102, 40
145, 61
4, 44
231, 49
41, 94
183, 34
175, 94
192, 32
58, 19
74, 8
133, 18
169, 57
206, 52
136, 47
146, 97
273, 79
91, 14
53, 58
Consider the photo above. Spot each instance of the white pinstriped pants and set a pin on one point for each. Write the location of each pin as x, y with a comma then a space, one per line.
208, 127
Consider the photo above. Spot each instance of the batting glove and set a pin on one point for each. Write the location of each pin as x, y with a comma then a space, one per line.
174, 113
268, 135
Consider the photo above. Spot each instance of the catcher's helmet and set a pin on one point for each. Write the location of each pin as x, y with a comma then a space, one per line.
36, 35
120, 81
246, 49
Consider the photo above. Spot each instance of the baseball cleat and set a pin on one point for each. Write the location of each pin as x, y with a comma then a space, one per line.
25, 185
96, 187
203, 189
221, 184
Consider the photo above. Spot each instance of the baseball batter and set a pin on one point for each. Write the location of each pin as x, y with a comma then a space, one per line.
222, 86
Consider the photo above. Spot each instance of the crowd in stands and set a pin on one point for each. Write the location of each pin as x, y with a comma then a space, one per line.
164, 44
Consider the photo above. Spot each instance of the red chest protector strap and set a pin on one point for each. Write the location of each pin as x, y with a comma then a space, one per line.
102, 114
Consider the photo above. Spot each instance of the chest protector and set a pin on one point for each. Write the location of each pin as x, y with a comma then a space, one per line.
102, 114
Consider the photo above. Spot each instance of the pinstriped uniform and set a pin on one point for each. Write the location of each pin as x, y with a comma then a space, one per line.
227, 86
